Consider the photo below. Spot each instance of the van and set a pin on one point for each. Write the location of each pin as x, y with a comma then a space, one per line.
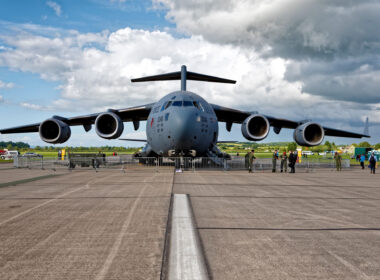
9, 155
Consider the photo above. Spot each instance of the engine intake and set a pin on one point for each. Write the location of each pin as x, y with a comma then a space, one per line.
309, 134
109, 126
54, 131
255, 127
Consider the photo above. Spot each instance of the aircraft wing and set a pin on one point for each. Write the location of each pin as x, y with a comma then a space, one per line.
229, 115
138, 113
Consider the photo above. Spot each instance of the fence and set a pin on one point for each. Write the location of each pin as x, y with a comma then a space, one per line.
128, 162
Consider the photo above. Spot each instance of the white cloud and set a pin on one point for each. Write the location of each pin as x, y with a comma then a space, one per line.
282, 27
34, 106
331, 47
56, 7
94, 72
1, 99
6, 85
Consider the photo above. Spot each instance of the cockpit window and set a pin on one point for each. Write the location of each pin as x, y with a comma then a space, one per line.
166, 105
195, 103
174, 97
187, 103
177, 103
201, 107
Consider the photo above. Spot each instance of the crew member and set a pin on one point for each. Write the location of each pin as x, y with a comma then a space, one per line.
274, 160
338, 161
284, 162
251, 158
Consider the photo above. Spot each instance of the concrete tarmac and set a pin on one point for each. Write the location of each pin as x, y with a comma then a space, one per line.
85, 225
112, 225
322, 225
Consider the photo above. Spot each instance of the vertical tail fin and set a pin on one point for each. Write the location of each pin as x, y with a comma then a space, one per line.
366, 127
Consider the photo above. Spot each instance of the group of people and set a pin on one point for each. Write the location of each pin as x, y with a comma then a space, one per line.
292, 159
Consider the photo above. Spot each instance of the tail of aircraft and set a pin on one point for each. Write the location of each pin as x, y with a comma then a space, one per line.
366, 127
183, 75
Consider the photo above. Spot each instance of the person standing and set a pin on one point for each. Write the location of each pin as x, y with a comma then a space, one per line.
274, 160
362, 160
338, 161
292, 161
372, 163
284, 162
251, 158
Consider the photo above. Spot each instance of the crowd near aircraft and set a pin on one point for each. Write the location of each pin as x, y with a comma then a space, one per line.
181, 123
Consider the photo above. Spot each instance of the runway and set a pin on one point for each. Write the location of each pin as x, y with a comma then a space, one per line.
113, 225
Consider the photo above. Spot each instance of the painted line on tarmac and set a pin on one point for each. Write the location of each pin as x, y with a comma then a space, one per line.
186, 260
18, 182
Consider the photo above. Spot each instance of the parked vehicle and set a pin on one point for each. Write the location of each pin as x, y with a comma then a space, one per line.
86, 159
9, 155
30, 154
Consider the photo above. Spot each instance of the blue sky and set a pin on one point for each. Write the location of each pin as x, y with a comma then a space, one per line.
76, 57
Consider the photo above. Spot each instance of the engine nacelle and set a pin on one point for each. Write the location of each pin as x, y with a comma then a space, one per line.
255, 127
109, 125
54, 131
309, 134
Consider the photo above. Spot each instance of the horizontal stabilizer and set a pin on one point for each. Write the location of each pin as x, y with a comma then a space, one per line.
190, 76
183, 75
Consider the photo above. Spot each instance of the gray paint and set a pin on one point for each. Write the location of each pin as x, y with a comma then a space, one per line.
191, 126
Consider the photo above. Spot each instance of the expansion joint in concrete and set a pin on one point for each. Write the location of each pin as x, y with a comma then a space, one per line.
186, 259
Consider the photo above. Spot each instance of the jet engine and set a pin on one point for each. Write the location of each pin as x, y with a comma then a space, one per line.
54, 131
109, 125
255, 127
309, 134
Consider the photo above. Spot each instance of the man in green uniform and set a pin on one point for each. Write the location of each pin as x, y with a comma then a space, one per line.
251, 157
284, 162
274, 160
338, 161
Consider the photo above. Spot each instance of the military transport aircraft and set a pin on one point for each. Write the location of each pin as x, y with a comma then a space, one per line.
181, 123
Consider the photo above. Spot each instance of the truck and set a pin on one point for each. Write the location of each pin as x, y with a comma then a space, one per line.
9, 154
362, 151
86, 159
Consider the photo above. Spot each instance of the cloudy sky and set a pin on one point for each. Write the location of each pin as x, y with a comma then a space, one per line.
296, 59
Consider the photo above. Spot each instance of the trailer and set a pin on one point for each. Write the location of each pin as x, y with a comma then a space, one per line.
86, 159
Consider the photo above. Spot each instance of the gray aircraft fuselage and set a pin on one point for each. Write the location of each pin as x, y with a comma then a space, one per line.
180, 123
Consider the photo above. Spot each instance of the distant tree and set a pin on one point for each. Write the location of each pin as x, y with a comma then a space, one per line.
377, 146
364, 145
328, 146
292, 146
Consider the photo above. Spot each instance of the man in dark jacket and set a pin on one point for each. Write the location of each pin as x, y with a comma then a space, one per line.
292, 161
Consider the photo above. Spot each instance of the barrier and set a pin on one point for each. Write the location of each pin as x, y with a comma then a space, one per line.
128, 162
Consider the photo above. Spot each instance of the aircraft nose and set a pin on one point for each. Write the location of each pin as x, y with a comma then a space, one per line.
183, 128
